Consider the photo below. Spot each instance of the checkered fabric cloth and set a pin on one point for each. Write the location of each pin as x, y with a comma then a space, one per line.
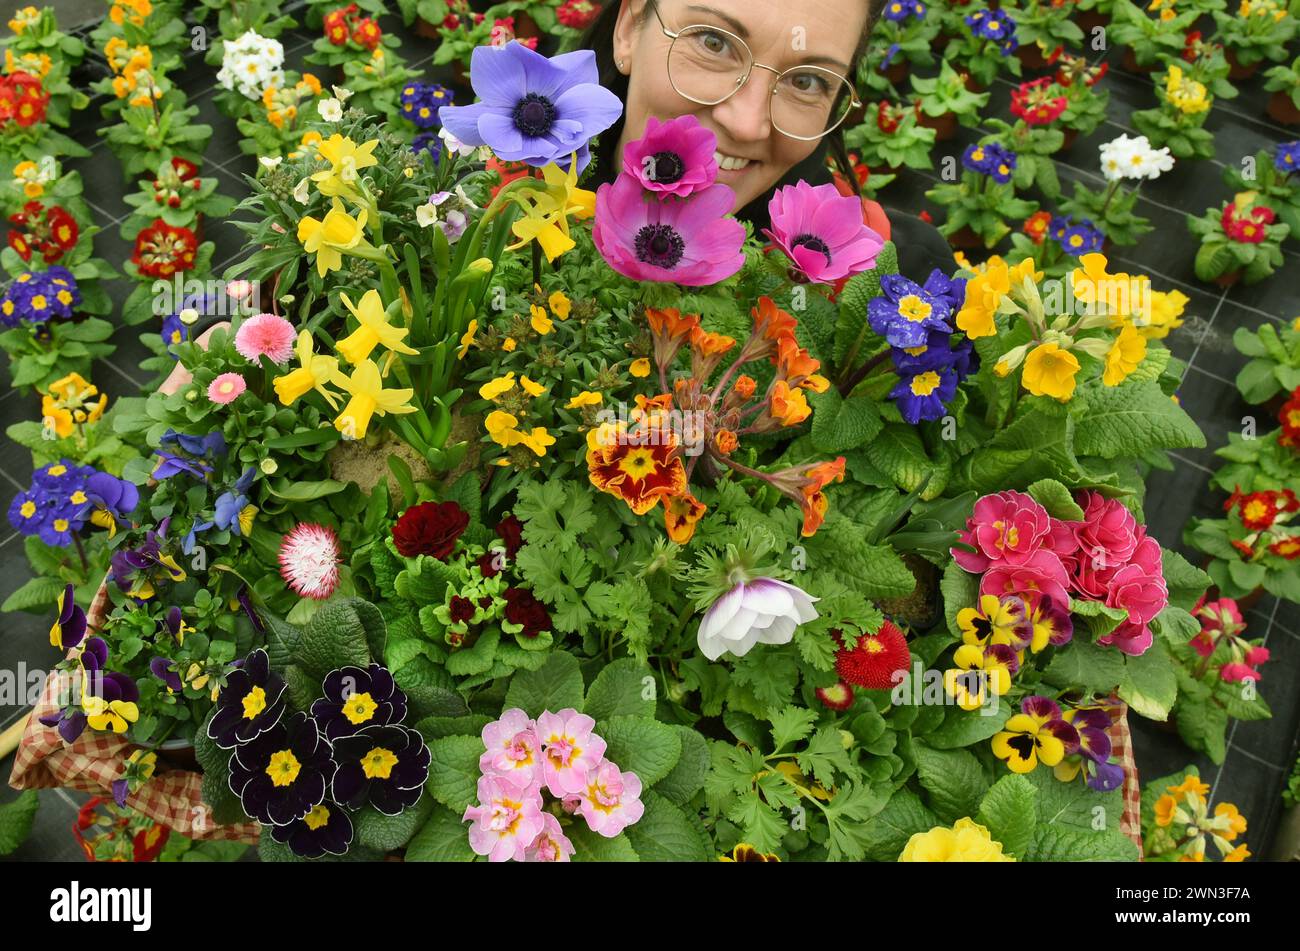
1121, 739
173, 798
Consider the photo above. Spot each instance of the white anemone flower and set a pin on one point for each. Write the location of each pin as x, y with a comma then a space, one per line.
761, 611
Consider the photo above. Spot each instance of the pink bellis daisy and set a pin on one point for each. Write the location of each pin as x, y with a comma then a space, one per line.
265, 335
822, 232
691, 242
309, 561
673, 158
226, 388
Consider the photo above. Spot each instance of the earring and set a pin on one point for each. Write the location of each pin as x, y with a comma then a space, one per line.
620, 65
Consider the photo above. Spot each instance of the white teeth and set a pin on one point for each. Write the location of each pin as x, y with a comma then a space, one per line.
730, 162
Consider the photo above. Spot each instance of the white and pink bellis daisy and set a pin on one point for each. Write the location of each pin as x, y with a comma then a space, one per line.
309, 560
265, 335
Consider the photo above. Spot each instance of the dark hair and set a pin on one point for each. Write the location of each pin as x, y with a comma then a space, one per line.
600, 38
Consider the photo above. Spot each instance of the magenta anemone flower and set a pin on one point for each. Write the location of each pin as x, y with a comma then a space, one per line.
677, 157
691, 242
822, 232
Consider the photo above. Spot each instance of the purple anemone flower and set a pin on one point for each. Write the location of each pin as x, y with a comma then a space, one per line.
532, 109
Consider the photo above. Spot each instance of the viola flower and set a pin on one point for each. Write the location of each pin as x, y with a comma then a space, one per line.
1052, 623
551, 844
822, 232
265, 335
997, 620
1036, 735
250, 703
109, 701
689, 242
226, 388
872, 660
1093, 757
164, 669
284, 773
430, 528
355, 698
533, 109
758, 611
69, 627
162, 250
676, 158
383, 765
640, 466
325, 830
513, 750
611, 800
981, 673
570, 751
507, 820
309, 561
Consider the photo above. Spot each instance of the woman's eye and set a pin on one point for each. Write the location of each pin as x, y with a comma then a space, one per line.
713, 43
808, 84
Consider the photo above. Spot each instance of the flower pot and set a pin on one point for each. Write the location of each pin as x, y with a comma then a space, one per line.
965, 239
1089, 20
974, 85
1071, 136
944, 126
897, 72
1031, 56
426, 29
1286, 841
1236, 70
1227, 280
1130, 63
1281, 109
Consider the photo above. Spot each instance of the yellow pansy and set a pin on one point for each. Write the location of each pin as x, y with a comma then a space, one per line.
368, 398
375, 330
1128, 350
494, 388
501, 426
312, 374
329, 238
1050, 371
547, 211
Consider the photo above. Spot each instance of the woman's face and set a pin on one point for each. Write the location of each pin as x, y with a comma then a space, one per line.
752, 155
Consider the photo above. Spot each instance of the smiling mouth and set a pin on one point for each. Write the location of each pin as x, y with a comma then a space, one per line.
731, 163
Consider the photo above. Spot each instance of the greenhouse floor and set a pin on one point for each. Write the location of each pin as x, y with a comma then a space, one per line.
1260, 754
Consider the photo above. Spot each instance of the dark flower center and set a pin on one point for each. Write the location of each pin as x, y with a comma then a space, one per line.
534, 115
814, 243
659, 245
666, 168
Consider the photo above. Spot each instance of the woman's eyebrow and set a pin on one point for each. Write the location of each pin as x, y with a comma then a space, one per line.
739, 29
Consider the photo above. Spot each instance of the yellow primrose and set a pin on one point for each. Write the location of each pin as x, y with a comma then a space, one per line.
375, 330
541, 323
346, 159
585, 398
328, 239
1186, 94
984, 292
467, 339
1128, 350
368, 398
494, 388
531, 387
560, 305
1050, 371
966, 841
547, 212
312, 374
32, 177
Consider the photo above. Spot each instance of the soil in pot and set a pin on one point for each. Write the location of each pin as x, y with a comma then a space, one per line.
1130, 63
426, 29
1228, 279
964, 239
360, 461
898, 72
1031, 56
1071, 136
1282, 109
1235, 69
944, 126
1089, 20
974, 85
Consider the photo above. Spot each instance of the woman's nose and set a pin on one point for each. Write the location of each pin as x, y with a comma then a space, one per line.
745, 116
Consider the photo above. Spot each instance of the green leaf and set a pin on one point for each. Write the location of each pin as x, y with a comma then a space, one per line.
387, 833
1150, 686
645, 746
687, 777
442, 838
620, 689
663, 833
454, 771
1057, 499
888, 831
1130, 420
591, 846
1010, 813
1185, 582
898, 452
336, 636
1080, 663
16, 820
1054, 844
839, 425
953, 780
964, 728
960, 589
555, 686
791, 725
38, 595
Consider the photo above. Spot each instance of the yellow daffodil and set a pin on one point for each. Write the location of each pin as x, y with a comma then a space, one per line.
1050, 371
640, 368
541, 323
1128, 350
585, 398
329, 238
531, 387
560, 305
501, 426
494, 388
547, 212
346, 159
312, 374
467, 339
368, 398
375, 330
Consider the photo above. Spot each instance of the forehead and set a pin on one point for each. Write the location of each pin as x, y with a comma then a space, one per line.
788, 31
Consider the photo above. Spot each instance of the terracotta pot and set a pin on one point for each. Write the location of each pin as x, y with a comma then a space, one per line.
1071, 136
964, 239
1228, 279
898, 72
1286, 841
1236, 70
1031, 56
460, 75
426, 29
944, 126
974, 85
1282, 109
1130, 63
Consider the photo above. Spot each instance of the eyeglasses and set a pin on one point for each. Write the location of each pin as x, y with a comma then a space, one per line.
708, 65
